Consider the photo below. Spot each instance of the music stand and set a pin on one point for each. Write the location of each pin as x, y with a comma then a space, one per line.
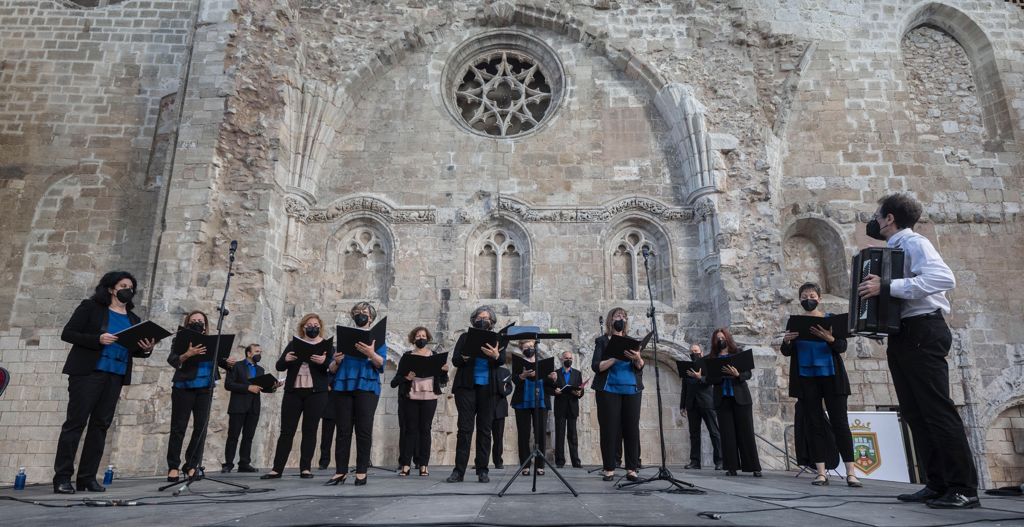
537, 453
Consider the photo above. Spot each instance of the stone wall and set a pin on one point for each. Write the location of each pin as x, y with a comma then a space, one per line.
1005, 442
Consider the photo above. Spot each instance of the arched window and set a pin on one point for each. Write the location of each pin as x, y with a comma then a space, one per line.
360, 255
499, 266
627, 275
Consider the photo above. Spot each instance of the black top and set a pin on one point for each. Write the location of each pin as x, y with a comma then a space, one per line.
187, 371
404, 385
464, 373
319, 372
841, 381
83, 331
600, 377
741, 393
237, 382
696, 393
518, 394
505, 388
567, 403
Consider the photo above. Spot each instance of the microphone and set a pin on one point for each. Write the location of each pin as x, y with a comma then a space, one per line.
646, 251
234, 247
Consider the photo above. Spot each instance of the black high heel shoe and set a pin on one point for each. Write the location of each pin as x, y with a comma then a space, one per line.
360, 482
336, 480
173, 479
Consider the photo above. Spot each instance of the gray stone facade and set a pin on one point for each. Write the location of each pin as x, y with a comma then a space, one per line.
743, 143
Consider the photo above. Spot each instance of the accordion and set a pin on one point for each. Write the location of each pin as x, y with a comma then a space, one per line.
877, 316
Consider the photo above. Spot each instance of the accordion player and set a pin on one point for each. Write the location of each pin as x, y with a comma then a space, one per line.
877, 316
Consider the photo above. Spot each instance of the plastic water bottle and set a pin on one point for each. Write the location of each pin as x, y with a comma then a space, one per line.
108, 476
19, 480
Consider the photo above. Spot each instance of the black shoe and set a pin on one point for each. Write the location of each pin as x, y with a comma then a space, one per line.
456, 477
632, 477
560, 465
337, 479
607, 477
718, 466
63, 487
226, 469
730, 472
498, 466
577, 464
268, 475
89, 486
954, 500
482, 477
692, 466
324, 466
757, 473
247, 468
920, 496
360, 482
306, 475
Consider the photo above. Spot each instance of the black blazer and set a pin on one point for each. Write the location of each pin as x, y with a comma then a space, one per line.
464, 373
404, 386
841, 382
83, 331
567, 403
319, 372
696, 393
187, 371
504, 390
741, 392
601, 377
237, 382
517, 396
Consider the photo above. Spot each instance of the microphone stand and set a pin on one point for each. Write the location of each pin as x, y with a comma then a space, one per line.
199, 473
663, 474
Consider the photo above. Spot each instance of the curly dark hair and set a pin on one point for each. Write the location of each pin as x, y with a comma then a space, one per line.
102, 294
904, 208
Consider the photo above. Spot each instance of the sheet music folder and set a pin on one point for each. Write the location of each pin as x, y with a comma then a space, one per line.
742, 361
130, 337
477, 338
304, 350
694, 364
348, 337
266, 381
543, 367
423, 366
187, 337
802, 324
618, 345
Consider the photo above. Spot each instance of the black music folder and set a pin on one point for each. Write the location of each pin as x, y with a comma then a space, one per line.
130, 337
186, 337
423, 365
477, 338
266, 382
543, 367
694, 364
742, 361
618, 345
304, 350
802, 324
348, 337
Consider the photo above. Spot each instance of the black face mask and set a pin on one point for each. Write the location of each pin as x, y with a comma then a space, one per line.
421, 343
361, 320
482, 324
312, 331
874, 230
198, 327
619, 325
723, 344
256, 358
529, 352
567, 363
125, 295
809, 304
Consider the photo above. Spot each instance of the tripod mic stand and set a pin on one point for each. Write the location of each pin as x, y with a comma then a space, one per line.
663, 473
199, 473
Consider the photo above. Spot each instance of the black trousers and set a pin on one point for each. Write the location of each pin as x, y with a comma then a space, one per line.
476, 409
920, 374
354, 409
244, 424
563, 423
739, 446
619, 418
526, 420
498, 440
186, 402
819, 395
92, 401
327, 433
304, 403
694, 416
415, 428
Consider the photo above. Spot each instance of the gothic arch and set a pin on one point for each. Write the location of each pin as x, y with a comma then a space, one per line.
995, 110
813, 251
498, 260
360, 253
625, 277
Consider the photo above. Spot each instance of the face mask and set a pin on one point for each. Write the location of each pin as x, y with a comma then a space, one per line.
361, 320
529, 352
421, 343
312, 331
619, 325
481, 324
198, 327
125, 295
723, 344
567, 363
874, 230
256, 358
809, 304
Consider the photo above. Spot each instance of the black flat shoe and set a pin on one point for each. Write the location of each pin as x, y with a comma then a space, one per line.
692, 466
268, 475
247, 468
632, 477
855, 483
757, 473
920, 496
499, 466
89, 486
820, 480
306, 475
482, 477
730, 472
337, 479
456, 477
323, 466
360, 482
64, 487
954, 500
607, 477
226, 469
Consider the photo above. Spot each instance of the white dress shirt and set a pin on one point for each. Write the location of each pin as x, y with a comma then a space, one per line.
927, 277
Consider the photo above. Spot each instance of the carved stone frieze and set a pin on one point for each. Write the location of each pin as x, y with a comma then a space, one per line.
296, 209
593, 214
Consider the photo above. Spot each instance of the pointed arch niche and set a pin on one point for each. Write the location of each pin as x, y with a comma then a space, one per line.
360, 255
498, 261
625, 276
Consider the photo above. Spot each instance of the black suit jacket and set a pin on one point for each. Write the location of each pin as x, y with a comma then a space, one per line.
187, 371
740, 390
504, 390
567, 403
696, 393
464, 373
237, 382
83, 331
601, 377
321, 376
